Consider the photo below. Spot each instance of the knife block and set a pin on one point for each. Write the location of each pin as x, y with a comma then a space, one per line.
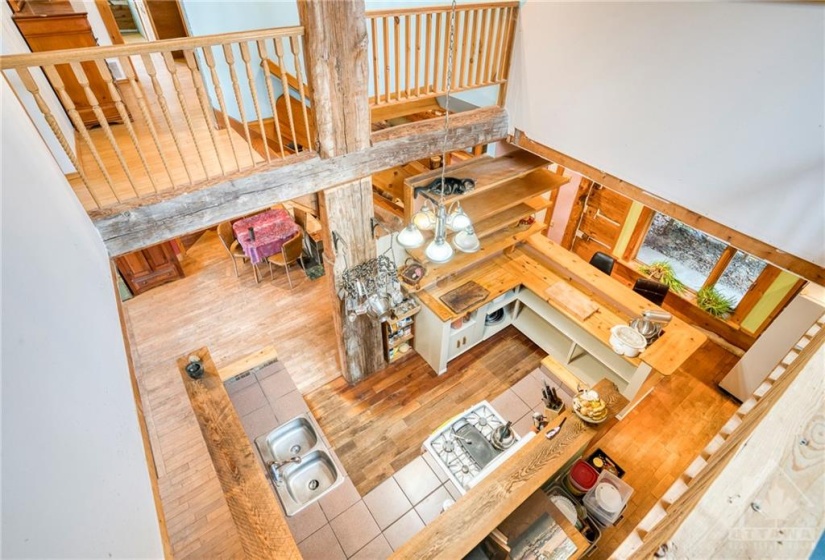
552, 414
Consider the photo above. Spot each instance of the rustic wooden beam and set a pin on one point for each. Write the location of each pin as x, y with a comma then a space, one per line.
262, 528
797, 265
336, 52
151, 220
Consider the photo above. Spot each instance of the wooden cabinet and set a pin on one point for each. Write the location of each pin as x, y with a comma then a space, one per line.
69, 30
149, 268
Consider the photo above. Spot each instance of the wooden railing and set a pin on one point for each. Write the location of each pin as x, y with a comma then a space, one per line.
410, 50
158, 116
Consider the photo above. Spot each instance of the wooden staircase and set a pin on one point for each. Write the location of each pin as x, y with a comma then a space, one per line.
731, 435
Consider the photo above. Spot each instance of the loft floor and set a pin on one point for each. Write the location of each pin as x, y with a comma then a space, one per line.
235, 317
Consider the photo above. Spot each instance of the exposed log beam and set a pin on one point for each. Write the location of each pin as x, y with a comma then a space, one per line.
797, 265
130, 227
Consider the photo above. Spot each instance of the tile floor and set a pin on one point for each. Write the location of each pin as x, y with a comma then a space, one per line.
343, 524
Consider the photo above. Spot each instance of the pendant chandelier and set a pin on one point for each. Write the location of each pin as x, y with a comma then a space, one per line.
441, 220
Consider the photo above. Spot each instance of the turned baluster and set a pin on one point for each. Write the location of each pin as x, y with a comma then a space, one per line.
229, 56
296, 50
203, 101
271, 94
279, 52
252, 89
216, 83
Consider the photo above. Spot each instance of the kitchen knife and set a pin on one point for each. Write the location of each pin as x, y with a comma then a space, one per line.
555, 431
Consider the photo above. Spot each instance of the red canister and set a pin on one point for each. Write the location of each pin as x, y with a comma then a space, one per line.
581, 478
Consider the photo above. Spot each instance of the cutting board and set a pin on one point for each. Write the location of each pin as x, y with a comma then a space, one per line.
464, 297
568, 297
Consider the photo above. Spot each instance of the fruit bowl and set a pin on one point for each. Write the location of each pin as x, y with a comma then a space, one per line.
591, 408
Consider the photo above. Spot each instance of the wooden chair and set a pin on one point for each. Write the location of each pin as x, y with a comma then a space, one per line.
291, 251
603, 262
651, 290
227, 237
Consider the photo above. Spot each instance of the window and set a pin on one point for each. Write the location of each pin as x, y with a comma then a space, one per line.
698, 259
691, 253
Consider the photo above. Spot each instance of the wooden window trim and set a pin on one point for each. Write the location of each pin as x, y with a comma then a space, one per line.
720, 266
755, 293
639, 233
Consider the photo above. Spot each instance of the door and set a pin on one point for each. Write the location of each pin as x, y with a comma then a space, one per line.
149, 268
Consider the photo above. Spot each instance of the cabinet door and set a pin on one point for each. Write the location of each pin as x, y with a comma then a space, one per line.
149, 268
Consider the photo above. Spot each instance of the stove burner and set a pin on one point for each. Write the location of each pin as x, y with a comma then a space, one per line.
482, 422
465, 469
448, 447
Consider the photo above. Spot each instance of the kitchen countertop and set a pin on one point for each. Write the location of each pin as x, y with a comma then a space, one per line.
461, 527
541, 263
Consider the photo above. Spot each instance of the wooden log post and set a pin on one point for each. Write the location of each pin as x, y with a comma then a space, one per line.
336, 56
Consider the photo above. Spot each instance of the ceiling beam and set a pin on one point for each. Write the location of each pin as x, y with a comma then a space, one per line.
773, 255
129, 227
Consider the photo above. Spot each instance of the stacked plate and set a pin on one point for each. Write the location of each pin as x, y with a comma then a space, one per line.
607, 499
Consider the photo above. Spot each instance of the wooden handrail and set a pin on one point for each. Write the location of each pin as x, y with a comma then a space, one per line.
167, 45
439, 9
294, 84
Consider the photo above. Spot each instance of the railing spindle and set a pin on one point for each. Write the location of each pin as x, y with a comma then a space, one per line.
375, 90
216, 83
407, 19
427, 53
74, 116
229, 56
253, 91
437, 58
499, 34
488, 62
262, 52
149, 65
31, 86
279, 52
417, 54
203, 101
471, 53
457, 34
124, 115
482, 43
386, 61
172, 68
295, 46
80, 74
137, 91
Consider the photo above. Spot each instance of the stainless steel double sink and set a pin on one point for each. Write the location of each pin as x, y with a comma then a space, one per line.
298, 463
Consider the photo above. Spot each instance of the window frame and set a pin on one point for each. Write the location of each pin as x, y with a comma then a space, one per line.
752, 295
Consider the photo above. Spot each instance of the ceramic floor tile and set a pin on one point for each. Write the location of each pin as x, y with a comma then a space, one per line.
387, 503
355, 528
453, 490
431, 506
417, 480
439, 472
322, 545
528, 390
289, 406
404, 529
306, 522
524, 424
259, 422
248, 399
277, 385
510, 405
269, 369
339, 500
236, 384
377, 549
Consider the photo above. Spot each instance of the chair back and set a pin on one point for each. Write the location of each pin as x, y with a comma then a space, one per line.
294, 248
603, 262
651, 290
226, 235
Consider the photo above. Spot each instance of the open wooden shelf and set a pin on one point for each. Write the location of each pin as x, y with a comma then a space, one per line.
488, 173
490, 245
481, 205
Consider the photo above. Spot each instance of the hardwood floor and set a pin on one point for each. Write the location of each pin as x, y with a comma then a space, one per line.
379, 425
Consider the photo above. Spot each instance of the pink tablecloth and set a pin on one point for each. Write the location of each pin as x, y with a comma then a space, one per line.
272, 229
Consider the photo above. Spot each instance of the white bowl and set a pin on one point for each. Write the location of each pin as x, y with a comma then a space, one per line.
609, 497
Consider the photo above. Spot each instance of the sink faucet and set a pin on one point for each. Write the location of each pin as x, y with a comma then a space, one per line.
275, 468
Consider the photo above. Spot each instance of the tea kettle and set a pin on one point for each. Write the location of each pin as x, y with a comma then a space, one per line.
503, 437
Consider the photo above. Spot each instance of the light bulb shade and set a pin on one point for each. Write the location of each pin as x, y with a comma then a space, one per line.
439, 251
424, 218
458, 220
410, 237
467, 241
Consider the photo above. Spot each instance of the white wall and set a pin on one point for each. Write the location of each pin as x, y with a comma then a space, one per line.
12, 42
714, 106
74, 477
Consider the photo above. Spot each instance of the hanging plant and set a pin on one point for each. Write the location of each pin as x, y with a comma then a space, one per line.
662, 272
711, 300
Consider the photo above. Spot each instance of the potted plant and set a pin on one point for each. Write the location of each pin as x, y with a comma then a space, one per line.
711, 300
662, 272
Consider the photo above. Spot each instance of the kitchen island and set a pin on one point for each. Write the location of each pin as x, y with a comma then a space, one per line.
564, 305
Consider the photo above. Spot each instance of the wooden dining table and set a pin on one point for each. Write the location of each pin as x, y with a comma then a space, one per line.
271, 228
